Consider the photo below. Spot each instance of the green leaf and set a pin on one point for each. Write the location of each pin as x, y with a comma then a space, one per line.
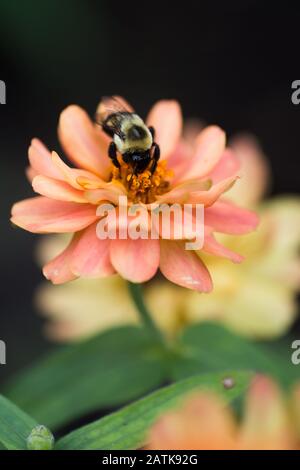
15, 425
107, 370
128, 428
209, 347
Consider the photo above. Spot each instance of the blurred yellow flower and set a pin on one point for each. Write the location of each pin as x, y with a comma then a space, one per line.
85, 306
255, 298
204, 422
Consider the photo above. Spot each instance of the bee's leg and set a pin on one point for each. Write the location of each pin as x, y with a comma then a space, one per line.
155, 157
126, 157
152, 131
112, 153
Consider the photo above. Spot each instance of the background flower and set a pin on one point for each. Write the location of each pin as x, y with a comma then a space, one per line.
204, 422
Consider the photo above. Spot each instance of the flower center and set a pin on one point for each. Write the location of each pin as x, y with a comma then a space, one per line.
145, 186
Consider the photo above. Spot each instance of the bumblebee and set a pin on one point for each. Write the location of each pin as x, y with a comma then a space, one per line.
130, 135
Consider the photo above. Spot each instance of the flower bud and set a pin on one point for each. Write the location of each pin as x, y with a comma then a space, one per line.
40, 438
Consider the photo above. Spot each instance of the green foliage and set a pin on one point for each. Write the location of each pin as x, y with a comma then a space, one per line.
128, 428
15, 426
107, 370
123, 364
209, 347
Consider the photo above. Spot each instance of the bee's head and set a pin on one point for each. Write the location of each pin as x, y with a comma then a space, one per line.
139, 155
139, 159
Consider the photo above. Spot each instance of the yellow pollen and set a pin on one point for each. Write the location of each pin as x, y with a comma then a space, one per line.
143, 187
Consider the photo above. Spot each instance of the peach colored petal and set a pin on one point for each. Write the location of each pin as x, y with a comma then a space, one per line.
71, 175
202, 423
86, 182
58, 270
94, 184
85, 145
210, 146
180, 193
42, 215
227, 167
98, 195
191, 130
30, 173
118, 222
227, 218
166, 118
90, 257
197, 192
58, 190
208, 198
183, 267
265, 425
40, 160
135, 260
179, 160
178, 224
255, 171
213, 247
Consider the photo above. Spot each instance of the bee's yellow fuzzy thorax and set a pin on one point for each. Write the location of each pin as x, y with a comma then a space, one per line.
143, 187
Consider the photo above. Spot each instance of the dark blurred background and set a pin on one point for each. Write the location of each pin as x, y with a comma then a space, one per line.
230, 63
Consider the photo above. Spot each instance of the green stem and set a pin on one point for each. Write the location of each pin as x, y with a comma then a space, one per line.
136, 292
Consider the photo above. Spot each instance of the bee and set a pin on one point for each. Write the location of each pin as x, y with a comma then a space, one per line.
130, 135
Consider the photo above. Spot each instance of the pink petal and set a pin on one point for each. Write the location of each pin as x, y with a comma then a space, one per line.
30, 173
58, 190
213, 247
179, 224
43, 215
135, 260
40, 160
73, 175
197, 192
255, 171
91, 255
227, 218
227, 167
183, 267
210, 146
58, 270
181, 192
91, 185
179, 160
267, 423
119, 222
98, 195
85, 145
166, 118
208, 198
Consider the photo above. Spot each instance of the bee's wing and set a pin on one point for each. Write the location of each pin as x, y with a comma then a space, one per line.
111, 105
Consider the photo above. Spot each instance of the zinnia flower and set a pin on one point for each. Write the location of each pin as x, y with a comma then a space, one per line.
69, 198
263, 288
204, 422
